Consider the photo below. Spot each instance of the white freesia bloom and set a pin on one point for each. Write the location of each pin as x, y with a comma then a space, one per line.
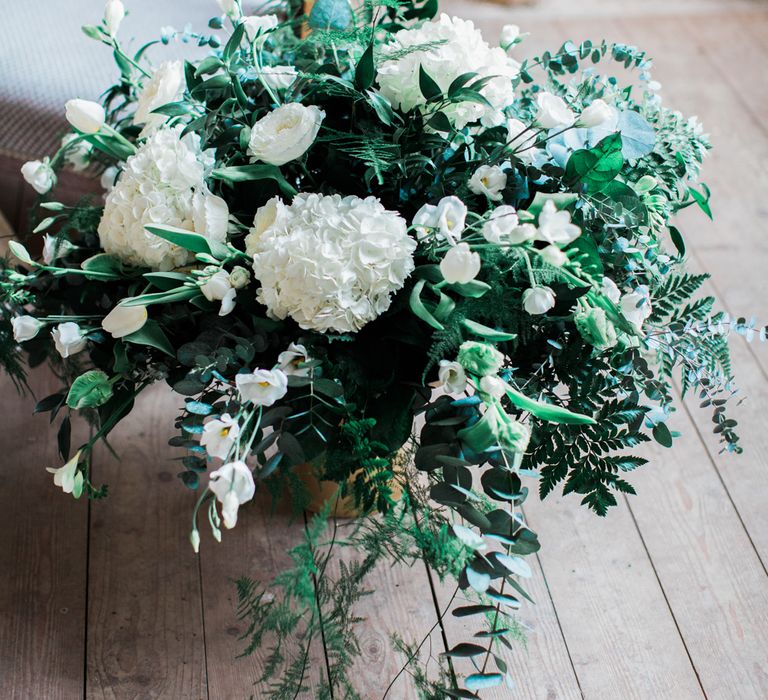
445, 220
509, 35
610, 290
231, 8
278, 77
68, 339
460, 264
218, 287
555, 226
165, 86
114, 12
329, 262
25, 328
291, 361
489, 180
257, 26
124, 320
163, 183
39, 174
452, 377
219, 436
68, 478
553, 112
263, 386
553, 255
598, 112
77, 153
493, 386
446, 49
538, 300
233, 485
86, 116
285, 134
636, 307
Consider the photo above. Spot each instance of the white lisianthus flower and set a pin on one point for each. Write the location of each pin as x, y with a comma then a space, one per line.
25, 328
231, 8
504, 228
291, 361
553, 112
257, 26
553, 256
452, 377
446, 49
68, 339
610, 290
510, 33
329, 262
538, 300
165, 86
445, 220
263, 386
233, 485
124, 320
636, 307
489, 180
163, 183
77, 153
555, 226
86, 116
39, 174
239, 277
218, 287
521, 139
598, 112
278, 77
114, 13
68, 478
493, 386
460, 264
285, 134
219, 436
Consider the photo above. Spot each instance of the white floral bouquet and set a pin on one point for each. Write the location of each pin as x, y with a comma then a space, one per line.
317, 234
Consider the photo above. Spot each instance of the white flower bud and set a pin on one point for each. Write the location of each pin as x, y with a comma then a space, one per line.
39, 174
25, 328
231, 8
493, 386
538, 300
86, 116
68, 339
554, 256
124, 320
598, 112
114, 12
194, 538
509, 36
239, 277
460, 264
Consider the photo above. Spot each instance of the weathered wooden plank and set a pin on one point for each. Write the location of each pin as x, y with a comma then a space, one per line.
42, 557
145, 631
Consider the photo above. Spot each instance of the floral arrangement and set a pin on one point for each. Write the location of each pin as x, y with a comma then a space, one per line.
323, 238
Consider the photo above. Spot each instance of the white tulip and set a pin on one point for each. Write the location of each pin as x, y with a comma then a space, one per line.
86, 116
446, 220
210, 215
460, 264
257, 26
555, 226
39, 174
509, 35
636, 307
489, 180
68, 339
538, 300
452, 377
285, 134
493, 386
67, 477
291, 361
25, 328
231, 8
610, 290
165, 86
219, 436
595, 114
262, 387
233, 485
553, 255
124, 320
553, 112
114, 12
278, 77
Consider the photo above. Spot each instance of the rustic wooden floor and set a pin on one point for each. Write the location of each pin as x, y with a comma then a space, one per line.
666, 598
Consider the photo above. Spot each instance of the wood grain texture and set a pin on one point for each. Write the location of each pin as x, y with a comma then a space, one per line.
145, 631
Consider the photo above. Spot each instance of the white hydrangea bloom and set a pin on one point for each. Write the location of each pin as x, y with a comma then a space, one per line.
462, 50
328, 262
163, 183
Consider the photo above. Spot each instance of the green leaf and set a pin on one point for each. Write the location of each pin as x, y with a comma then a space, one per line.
596, 167
474, 289
255, 171
89, 390
151, 334
562, 200
469, 610
619, 203
330, 14
485, 332
702, 200
662, 435
382, 107
210, 64
584, 251
103, 266
418, 307
637, 136
478, 681
172, 295
429, 88
234, 42
174, 109
464, 650
460, 82
677, 240
546, 411
365, 70
166, 280
193, 242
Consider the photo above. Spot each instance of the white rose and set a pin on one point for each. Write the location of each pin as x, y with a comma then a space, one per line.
77, 152
553, 112
610, 290
493, 386
446, 220
239, 277
636, 307
231, 8
165, 86
39, 174
460, 264
509, 36
278, 77
25, 328
219, 436
285, 134
489, 180
553, 256
452, 377
291, 361
555, 226
124, 320
233, 485
257, 26
597, 113
538, 300
114, 12
68, 339
86, 116
262, 387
